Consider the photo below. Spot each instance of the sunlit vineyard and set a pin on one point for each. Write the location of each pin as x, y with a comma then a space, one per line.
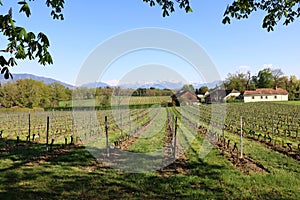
252, 142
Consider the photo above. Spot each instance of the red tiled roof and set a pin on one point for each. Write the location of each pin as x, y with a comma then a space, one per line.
263, 91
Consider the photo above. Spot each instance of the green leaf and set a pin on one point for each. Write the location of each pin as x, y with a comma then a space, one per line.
20, 52
4, 69
226, 20
188, 9
12, 62
165, 13
22, 34
152, 3
22, 2
7, 74
30, 36
25, 8
3, 61
61, 17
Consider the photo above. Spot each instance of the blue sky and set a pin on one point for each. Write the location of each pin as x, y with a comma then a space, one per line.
241, 46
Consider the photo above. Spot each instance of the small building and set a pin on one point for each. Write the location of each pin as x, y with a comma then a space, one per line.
232, 93
200, 96
184, 97
266, 94
222, 95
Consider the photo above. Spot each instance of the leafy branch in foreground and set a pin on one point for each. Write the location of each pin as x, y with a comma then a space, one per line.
276, 10
167, 6
23, 44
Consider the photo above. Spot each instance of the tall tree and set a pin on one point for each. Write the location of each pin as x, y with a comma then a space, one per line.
293, 87
203, 90
283, 82
236, 81
277, 75
9, 94
59, 93
188, 88
264, 79
31, 93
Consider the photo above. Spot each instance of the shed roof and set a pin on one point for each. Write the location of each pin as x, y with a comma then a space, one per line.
223, 93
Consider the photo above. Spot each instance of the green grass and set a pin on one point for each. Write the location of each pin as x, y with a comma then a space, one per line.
152, 138
288, 102
74, 174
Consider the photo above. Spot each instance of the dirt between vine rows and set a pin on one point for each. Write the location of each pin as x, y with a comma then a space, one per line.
295, 154
244, 164
278, 146
178, 164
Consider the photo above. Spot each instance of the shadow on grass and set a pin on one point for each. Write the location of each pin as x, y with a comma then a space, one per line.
29, 172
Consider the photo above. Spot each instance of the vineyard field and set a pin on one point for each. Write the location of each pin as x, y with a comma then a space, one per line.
113, 101
216, 151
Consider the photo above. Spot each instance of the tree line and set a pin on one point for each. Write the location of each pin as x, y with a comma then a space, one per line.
31, 93
265, 78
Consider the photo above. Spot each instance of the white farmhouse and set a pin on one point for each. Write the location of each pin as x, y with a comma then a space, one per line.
266, 94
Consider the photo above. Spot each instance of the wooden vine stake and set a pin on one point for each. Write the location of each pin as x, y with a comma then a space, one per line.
129, 125
223, 133
273, 139
29, 127
47, 133
121, 125
175, 135
241, 138
106, 135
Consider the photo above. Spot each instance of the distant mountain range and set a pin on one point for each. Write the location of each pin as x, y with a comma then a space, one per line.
169, 85
157, 84
34, 77
96, 85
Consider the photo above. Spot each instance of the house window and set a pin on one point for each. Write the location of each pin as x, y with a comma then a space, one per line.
261, 97
275, 97
252, 97
266, 97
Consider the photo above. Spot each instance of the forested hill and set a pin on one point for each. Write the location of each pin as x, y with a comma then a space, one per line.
34, 77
